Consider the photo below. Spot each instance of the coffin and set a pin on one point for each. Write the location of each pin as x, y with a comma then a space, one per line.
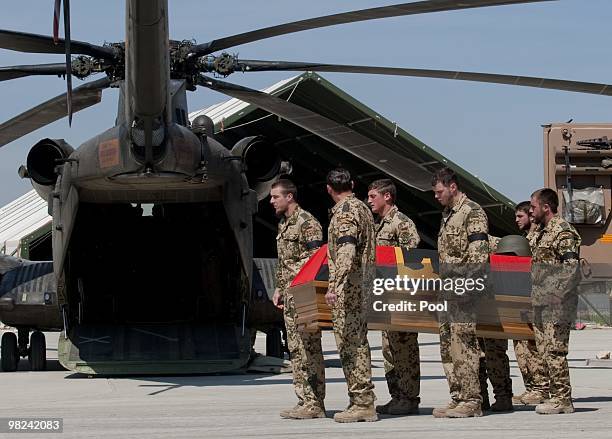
314, 314
505, 315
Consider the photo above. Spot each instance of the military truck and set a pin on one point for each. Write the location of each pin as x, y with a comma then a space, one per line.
578, 165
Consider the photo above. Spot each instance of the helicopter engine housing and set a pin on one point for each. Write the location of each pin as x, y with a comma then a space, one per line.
42, 161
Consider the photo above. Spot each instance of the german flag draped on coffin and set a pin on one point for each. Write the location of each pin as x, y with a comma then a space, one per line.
409, 295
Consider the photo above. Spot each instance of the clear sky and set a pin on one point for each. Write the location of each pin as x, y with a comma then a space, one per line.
491, 130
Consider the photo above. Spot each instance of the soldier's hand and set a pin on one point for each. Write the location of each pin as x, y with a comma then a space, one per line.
330, 298
277, 299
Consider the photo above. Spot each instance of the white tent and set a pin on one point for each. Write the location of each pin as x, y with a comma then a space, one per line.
19, 218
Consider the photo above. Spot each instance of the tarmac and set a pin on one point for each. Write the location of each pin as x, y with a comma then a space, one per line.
247, 405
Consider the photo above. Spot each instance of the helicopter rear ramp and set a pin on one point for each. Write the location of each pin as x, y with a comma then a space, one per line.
154, 349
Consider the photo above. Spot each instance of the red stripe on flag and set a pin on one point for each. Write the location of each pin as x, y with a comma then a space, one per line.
311, 267
510, 263
385, 255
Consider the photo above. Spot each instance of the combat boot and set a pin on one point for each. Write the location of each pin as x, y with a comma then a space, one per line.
399, 407
517, 399
306, 412
285, 413
440, 412
356, 413
503, 404
554, 407
531, 397
465, 410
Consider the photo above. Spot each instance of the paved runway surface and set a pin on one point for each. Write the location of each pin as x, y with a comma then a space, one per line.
247, 405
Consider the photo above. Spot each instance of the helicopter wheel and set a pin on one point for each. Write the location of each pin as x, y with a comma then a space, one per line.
38, 351
9, 352
274, 344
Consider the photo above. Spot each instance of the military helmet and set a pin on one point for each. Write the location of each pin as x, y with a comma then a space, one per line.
515, 244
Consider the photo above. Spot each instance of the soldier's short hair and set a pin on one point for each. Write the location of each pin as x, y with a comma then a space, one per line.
523, 206
547, 196
384, 186
446, 176
286, 186
339, 180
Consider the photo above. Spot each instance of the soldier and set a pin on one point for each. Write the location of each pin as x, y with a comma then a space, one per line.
529, 362
497, 363
299, 236
524, 221
462, 242
351, 256
554, 296
400, 349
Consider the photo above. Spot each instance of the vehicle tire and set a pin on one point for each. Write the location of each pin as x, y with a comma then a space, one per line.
9, 352
274, 344
38, 351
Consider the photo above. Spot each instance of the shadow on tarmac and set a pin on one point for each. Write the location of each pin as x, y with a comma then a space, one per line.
52, 366
170, 383
593, 399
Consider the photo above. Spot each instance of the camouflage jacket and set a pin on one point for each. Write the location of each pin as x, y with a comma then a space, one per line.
464, 233
351, 247
396, 229
531, 236
299, 236
493, 243
555, 261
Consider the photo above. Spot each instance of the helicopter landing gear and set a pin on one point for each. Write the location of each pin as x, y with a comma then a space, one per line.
22, 344
10, 353
37, 354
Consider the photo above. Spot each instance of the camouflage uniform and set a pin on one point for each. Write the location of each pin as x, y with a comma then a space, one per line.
535, 377
462, 239
494, 364
531, 236
351, 256
400, 349
498, 367
299, 236
531, 365
554, 296
493, 243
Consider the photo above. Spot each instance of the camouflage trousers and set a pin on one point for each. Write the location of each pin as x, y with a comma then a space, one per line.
306, 360
351, 332
460, 354
496, 367
552, 341
531, 365
402, 367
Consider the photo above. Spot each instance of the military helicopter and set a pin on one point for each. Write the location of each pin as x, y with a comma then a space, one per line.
156, 185
27, 300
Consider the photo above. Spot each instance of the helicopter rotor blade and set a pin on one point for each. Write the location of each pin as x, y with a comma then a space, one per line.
398, 166
414, 8
34, 43
54, 109
68, 60
523, 81
13, 72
